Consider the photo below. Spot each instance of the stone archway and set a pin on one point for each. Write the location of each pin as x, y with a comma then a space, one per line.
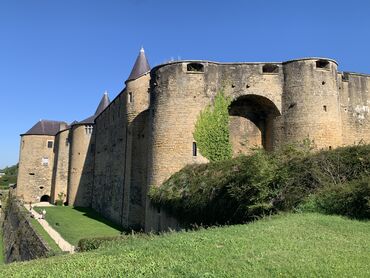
45, 198
252, 123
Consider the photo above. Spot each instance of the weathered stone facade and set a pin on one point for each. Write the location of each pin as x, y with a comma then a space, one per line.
146, 133
61, 166
36, 165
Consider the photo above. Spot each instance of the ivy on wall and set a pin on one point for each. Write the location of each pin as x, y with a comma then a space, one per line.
212, 130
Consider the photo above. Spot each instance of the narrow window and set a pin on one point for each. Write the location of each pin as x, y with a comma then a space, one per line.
330, 147
194, 149
195, 67
130, 97
89, 129
270, 68
50, 144
325, 108
322, 64
31, 174
67, 141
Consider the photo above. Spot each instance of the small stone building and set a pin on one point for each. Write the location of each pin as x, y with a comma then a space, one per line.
145, 134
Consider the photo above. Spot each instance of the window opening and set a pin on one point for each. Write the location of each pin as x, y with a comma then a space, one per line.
269, 68
50, 144
89, 129
195, 67
322, 64
195, 149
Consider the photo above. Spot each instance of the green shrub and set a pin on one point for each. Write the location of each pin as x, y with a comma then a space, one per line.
299, 176
212, 130
350, 199
230, 191
88, 244
60, 200
240, 189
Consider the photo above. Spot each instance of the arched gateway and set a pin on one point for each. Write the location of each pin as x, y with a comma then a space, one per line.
252, 123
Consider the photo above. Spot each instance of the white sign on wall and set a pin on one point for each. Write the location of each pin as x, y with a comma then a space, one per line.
45, 161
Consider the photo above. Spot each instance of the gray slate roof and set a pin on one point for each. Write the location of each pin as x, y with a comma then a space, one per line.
104, 102
46, 127
141, 66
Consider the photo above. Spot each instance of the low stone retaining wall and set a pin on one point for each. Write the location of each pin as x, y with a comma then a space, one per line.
21, 241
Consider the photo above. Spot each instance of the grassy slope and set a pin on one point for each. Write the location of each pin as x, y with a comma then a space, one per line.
299, 245
40, 230
74, 224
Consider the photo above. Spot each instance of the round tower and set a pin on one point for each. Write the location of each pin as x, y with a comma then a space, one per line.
61, 164
310, 102
179, 92
137, 103
82, 152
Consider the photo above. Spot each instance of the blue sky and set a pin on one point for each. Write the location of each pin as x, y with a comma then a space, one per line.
58, 57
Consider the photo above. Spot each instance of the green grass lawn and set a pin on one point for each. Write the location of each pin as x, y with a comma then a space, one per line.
292, 245
76, 223
45, 236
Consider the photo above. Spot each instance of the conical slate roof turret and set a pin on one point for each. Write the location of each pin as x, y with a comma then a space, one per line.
104, 102
141, 66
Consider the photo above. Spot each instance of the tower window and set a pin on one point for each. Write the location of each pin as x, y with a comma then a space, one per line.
269, 68
130, 97
88, 129
322, 64
195, 149
325, 108
195, 67
50, 144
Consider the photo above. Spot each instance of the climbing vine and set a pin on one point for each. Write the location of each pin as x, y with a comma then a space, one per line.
212, 129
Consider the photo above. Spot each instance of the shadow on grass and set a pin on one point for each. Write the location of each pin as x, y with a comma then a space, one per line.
89, 212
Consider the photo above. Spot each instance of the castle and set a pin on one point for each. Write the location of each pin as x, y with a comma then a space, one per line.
109, 160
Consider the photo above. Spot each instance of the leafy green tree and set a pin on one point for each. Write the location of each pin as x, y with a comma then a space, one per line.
212, 129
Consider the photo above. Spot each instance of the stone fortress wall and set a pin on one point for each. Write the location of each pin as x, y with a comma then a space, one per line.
146, 133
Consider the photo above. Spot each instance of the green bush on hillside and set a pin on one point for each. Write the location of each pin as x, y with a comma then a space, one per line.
241, 189
350, 199
302, 175
231, 191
